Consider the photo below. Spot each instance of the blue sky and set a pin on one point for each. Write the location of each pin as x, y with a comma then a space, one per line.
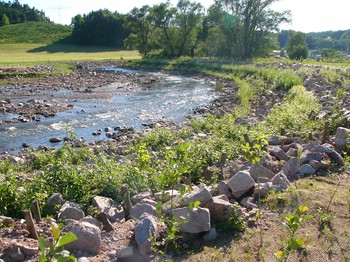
307, 15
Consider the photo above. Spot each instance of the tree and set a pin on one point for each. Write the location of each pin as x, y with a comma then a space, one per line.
138, 22
100, 27
5, 20
247, 25
164, 29
296, 46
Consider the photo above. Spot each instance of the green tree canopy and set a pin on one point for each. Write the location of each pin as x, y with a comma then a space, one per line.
296, 46
247, 25
101, 27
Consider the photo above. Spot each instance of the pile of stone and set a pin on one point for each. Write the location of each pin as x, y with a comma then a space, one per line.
30, 110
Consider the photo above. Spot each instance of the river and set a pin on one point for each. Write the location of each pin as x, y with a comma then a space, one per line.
171, 99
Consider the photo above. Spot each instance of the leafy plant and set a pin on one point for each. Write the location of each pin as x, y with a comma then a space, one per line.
256, 149
292, 223
55, 249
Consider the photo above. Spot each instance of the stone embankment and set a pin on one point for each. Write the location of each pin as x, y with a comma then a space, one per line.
237, 195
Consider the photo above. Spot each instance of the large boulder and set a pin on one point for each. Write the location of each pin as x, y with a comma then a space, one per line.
89, 238
111, 208
291, 167
240, 183
277, 152
144, 231
220, 209
71, 211
200, 194
257, 171
139, 209
341, 137
193, 221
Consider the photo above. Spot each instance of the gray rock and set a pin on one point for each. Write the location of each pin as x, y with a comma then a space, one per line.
307, 169
137, 210
126, 252
257, 170
144, 231
262, 180
281, 179
291, 167
332, 154
248, 203
315, 164
55, 200
277, 152
240, 183
342, 133
201, 194
307, 156
17, 160
166, 196
17, 254
91, 220
193, 221
341, 143
137, 198
71, 211
148, 201
275, 140
219, 209
223, 189
262, 189
55, 140
89, 238
292, 152
111, 208
6, 221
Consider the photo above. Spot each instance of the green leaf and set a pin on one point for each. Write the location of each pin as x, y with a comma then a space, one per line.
194, 204
42, 249
55, 232
184, 146
66, 239
302, 210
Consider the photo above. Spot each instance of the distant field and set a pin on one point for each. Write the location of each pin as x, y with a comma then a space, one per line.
19, 54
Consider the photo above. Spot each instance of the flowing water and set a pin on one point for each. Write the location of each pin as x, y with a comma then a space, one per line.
172, 99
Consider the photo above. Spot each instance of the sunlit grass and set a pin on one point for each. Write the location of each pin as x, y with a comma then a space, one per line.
25, 54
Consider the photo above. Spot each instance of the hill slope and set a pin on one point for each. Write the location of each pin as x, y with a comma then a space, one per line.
33, 32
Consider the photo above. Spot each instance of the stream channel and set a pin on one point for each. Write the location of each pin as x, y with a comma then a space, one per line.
173, 98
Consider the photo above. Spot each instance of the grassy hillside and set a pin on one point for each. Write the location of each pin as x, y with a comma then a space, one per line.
33, 32
19, 54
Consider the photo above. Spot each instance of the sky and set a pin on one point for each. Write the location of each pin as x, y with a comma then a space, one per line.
307, 15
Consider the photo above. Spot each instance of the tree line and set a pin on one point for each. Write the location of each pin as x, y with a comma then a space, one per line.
14, 13
237, 29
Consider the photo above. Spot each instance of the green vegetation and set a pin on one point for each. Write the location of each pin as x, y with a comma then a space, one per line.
51, 250
293, 223
19, 54
33, 32
16, 13
99, 28
297, 47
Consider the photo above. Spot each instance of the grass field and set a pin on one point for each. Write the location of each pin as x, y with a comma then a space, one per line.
26, 54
